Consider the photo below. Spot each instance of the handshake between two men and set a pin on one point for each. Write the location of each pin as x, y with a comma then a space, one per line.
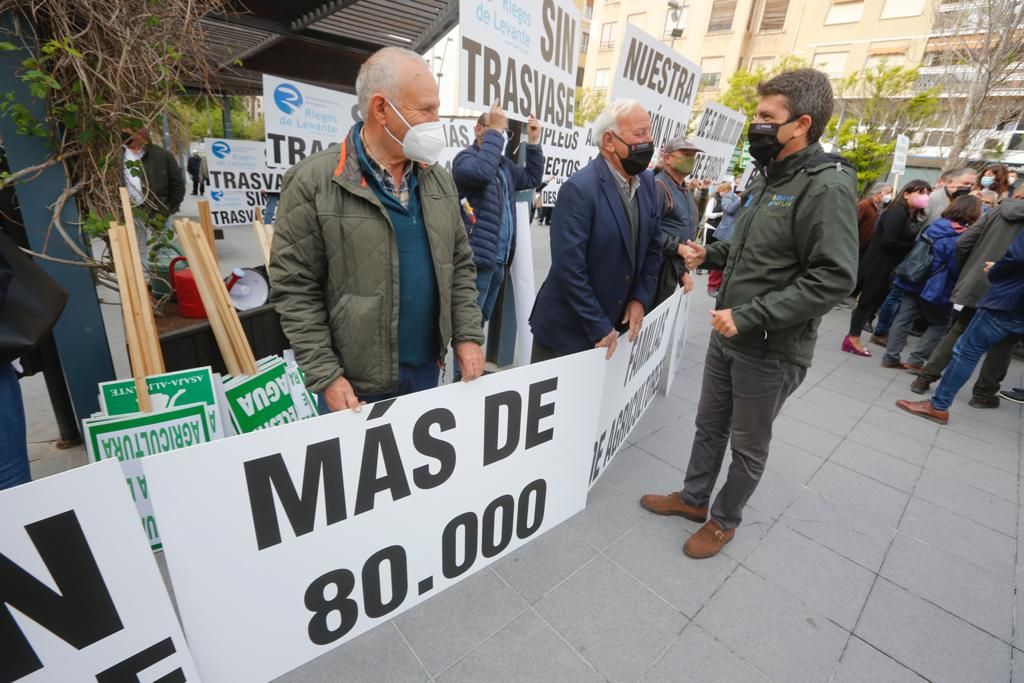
694, 255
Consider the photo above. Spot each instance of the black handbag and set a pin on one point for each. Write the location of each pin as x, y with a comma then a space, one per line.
32, 305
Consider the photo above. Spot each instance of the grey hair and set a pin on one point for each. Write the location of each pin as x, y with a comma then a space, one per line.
958, 173
807, 92
609, 118
878, 187
379, 74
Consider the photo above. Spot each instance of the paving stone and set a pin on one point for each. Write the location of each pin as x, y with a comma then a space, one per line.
525, 650
792, 462
892, 418
749, 534
891, 443
613, 621
973, 473
967, 433
860, 393
661, 412
1001, 457
653, 553
812, 439
671, 443
953, 584
861, 662
975, 504
541, 564
819, 415
819, 577
377, 655
883, 468
774, 493
871, 498
1008, 416
772, 630
453, 622
696, 657
863, 377
835, 401
609, 514
979, 545
929, 640
840, 528
636, 472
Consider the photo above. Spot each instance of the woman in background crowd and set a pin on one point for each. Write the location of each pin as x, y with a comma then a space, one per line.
996, 178
929, 297
893, 239
728, 205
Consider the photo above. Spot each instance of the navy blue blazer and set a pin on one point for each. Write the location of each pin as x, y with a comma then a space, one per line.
592, 275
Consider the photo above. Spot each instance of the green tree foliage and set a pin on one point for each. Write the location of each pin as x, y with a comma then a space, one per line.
202, 117
741, 95
589, 103
872, 108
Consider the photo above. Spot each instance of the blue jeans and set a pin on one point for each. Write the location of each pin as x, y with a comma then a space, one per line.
888, 310
411, 378
488, 286
13, 444
987, 329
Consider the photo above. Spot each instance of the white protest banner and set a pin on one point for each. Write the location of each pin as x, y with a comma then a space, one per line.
458, 134
565, 152
327, 527
678, 344
523, 54
235, 207
717, 133
661, 79
523, 284
80, 594
633, 379
241, 165
129, 438
302, 119
899, 157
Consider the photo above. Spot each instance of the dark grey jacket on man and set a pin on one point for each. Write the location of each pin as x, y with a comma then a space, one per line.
335, 277
162, 180
792, 257
986, 241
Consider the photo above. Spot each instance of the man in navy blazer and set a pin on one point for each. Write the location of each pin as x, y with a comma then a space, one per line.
605, 243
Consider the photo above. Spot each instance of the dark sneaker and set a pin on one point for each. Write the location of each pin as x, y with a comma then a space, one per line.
880, 339
984, 402
1013, 395
920, 385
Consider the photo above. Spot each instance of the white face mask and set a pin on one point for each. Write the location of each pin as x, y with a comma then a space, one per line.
423, 142
886, 198
1012, 179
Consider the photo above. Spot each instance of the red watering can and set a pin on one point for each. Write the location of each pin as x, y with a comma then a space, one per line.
190, 305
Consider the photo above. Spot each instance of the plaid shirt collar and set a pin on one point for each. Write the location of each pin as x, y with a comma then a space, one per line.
383, 176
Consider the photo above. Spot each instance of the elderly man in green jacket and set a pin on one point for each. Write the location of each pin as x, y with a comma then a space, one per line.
792, 257
372, 271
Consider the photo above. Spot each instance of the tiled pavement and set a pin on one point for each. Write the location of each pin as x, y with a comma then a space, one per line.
878, 547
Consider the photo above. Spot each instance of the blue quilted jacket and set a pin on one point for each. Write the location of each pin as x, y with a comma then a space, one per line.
475, 170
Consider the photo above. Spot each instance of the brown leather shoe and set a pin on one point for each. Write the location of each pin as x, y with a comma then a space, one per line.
673, 504
924, 409
894, 366
914, 369
881, 341
708, 541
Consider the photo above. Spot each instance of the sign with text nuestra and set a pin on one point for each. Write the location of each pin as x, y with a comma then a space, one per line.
659, 78
302, 119
333, 525
634, 376
717, 133
80, 595
523, 54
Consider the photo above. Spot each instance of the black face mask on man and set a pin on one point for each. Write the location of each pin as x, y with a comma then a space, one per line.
764, 141
638, 157
958, 192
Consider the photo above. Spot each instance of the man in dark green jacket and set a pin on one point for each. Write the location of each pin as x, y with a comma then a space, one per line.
793, 256
371, 269
152, 175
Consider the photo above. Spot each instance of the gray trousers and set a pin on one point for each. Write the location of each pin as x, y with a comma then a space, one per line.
740, 397
993, 368
911, 307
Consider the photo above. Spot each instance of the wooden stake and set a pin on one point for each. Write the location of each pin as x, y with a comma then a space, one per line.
150, 337
206, 220
130, 306
263, 236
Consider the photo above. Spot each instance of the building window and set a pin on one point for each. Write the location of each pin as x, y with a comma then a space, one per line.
774, 16
601, 80
761, 63
588, 11
675, 21
638, 19
872, 63
844, 12
579, 76
584, 41
832, 63
607, 30
722, 12
896, 9
711, 72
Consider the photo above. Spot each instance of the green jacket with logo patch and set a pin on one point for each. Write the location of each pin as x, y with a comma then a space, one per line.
334, 270
793, 255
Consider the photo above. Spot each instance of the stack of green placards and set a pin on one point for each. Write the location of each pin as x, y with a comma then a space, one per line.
273, 396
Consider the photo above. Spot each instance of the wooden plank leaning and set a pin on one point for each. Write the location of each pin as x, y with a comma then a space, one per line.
131, 302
